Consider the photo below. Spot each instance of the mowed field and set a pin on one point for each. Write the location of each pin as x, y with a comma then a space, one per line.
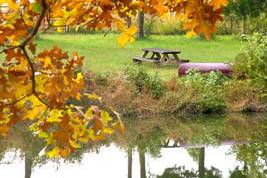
102, 54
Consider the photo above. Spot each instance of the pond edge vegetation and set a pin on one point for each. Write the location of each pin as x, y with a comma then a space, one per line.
137, 93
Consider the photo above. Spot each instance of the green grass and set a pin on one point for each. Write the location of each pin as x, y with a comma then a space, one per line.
102, 54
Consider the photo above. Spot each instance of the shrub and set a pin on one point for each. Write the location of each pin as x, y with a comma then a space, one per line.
202, 92
143, 82
258, 24
243, 95
251, 63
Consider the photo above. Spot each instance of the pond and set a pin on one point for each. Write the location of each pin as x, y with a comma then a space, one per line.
211, 146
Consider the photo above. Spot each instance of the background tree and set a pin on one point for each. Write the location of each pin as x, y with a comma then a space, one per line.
245, 9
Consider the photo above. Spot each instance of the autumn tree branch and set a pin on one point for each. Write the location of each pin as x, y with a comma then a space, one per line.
27, 40
35, 30
34, 92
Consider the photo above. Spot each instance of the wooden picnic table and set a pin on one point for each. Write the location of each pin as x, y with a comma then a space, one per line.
158, 55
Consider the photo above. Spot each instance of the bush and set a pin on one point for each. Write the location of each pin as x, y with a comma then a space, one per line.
243, 95
202, 93
143, 82
258, 24
251, 63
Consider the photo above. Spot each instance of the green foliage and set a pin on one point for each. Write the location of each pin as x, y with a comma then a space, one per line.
142, 81
251, 63
202, 93
246, 7
258, 24
245, 16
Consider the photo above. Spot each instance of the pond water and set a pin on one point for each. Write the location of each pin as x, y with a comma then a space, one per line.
208, 146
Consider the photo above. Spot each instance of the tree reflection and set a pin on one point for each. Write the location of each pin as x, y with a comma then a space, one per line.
28, 146
130, 162
142, 161
198, 155
148, 136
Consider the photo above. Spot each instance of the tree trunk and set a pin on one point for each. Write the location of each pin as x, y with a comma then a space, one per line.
244, 24
142, 161
28, 164
130, 162
201, 162
231, 24
140, 20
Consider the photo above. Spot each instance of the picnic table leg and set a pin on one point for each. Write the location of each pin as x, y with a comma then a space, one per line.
153, 55
176, 57
145, 54
164, 59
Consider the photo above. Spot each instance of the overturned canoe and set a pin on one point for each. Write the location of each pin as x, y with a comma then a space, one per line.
224, 68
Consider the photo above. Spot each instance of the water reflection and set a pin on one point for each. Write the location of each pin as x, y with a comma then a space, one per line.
212, 146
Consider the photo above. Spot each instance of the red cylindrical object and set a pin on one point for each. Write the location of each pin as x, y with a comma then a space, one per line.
224, 68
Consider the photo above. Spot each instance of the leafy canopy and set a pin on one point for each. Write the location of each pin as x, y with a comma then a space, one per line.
46, 89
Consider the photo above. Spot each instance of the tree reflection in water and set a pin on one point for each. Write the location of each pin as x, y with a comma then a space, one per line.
148, 136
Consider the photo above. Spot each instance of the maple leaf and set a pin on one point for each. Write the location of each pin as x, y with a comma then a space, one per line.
127, 36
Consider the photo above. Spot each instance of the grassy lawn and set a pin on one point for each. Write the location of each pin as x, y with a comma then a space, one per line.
102, 54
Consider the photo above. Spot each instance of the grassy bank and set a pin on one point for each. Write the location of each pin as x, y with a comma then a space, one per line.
139, 94
102, 54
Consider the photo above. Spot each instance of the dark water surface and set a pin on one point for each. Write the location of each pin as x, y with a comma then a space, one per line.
210, 146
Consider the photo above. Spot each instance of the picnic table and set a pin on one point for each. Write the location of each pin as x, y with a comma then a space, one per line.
158, 55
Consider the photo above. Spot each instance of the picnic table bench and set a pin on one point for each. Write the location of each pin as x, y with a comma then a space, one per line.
160, 56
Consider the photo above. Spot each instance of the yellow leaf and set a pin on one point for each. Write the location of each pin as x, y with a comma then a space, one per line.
79, 77
93, 96
47, 62
74, 144
84, 139
40, 83
91, 134
55, 115
127, 36
53, 153
190, 34
105, 116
